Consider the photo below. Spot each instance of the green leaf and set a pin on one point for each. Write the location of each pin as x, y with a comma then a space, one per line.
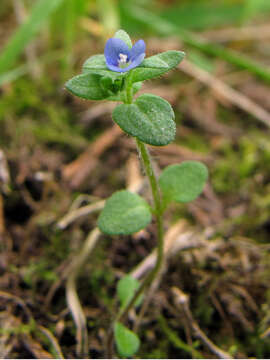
87, 86
155, 62
111, 80
167, 28
150, 68
156, 65
124, 213
97, 65
112, 85
127, 342
95, 62
121, 34
183, 182
106, 82
136, 87
126, 288
150, 118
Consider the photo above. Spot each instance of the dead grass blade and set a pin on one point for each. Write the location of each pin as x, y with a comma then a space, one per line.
182, 299
35, 347
73, 215
32, 344
72, 296
77, 171
178, 238
254, 32
220, 89
52, 339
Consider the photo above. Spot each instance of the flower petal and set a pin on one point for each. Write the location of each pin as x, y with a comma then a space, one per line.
135, 62
137, 49
116, 68
113, 48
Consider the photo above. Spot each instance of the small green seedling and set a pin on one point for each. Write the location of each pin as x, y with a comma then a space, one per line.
117, 75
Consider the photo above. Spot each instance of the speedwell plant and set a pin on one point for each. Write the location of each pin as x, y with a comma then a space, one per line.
117, 75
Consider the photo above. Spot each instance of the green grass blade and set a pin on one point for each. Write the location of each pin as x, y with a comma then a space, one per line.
176, 341
252, 7
109, 16
165, 28
204, 15
12, 75
197, 15
15, 73
39, 14
69, 25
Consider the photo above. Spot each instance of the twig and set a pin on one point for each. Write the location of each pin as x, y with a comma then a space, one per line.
96, 111
63, 270
77, 171
72, 296
134, 179
78, 213
134, 184
35, 347
31, 319
52, 340
182, 299
149, 296
204, 114
173, 243
226, 92
171, 247
18, 301
257, 32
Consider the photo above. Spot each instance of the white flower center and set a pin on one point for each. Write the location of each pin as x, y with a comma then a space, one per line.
122, 62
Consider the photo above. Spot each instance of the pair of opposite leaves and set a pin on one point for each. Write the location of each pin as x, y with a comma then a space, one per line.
149, 118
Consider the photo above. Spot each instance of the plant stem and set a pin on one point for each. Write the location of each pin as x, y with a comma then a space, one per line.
147, 164
158, 211
129, 93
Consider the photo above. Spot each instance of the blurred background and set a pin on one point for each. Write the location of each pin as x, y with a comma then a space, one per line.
58, 154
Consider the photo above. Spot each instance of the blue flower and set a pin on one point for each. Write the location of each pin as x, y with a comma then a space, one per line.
119, 57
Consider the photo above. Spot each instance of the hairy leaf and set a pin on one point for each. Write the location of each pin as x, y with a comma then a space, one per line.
124, 213
87, 86
150, 118
127, 342
95, 62
151, 67
156, 65
126, 288
121, 34
183, 182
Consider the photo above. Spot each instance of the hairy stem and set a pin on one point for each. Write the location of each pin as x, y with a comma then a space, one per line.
147, 165
128, 90
146, 160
